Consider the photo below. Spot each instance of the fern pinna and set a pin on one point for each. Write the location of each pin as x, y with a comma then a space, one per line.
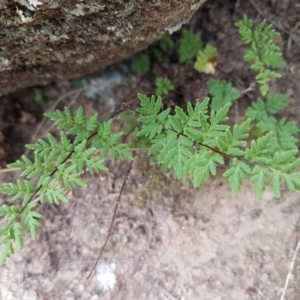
195, 142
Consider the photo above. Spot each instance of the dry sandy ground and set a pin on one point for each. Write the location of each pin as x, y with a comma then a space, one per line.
169, 241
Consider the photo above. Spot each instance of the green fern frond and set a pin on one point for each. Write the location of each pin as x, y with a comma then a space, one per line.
9, 212
215, 129
10, 234
23, 188
257, 110
78, 124
163, 86
7, 249
17, 235
222, 93
175, 153
233, 142
203, 165
284, 133
30, 219
152, 121
141, 65
189, 46
236, 174
109, 143
68, 176
166, 43
260, 180
263, 52
276, 102
53, 193
258, 152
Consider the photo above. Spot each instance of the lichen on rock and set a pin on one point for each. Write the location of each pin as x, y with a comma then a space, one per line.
46, 40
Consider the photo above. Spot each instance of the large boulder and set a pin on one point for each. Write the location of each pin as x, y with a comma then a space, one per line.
46, 40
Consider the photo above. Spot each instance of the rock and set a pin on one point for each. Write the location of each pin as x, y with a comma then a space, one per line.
47, 40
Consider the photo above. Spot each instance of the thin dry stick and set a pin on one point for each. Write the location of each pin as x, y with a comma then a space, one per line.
9, 170
290, 271
112, 220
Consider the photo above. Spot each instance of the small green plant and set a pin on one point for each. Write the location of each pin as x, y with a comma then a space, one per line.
262, 52
189, 47
192, 141
196, 142
222, 93
57, 166
141, 64
207, 59
166, 43
262, 113
38, 96
163, 86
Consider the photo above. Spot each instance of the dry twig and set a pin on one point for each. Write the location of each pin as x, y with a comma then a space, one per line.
112, 220
290, 271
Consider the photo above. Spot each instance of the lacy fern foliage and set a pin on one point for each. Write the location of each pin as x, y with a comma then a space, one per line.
263, 52
190, 45
196, 142
222, 93
163, 86
56, 168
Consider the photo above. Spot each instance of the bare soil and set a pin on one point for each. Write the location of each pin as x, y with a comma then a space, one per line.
169, 240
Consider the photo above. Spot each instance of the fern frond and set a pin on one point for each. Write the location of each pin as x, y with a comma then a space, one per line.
284, 133
53, 149
236, 174
69, 176
260, 180
233, 142
257, 110
9, 212
17, 234
258, 151
273, 104
166, 43
77, 124
152, 121
189, 46
276, 102
30, 218
141, 64
23, 188
175, 153
203, 165
53, 193
109, 143
7, 249
163, 86
215, 129
222, 93
263, 52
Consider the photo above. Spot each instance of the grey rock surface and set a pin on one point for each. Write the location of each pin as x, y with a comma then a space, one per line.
43, 40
